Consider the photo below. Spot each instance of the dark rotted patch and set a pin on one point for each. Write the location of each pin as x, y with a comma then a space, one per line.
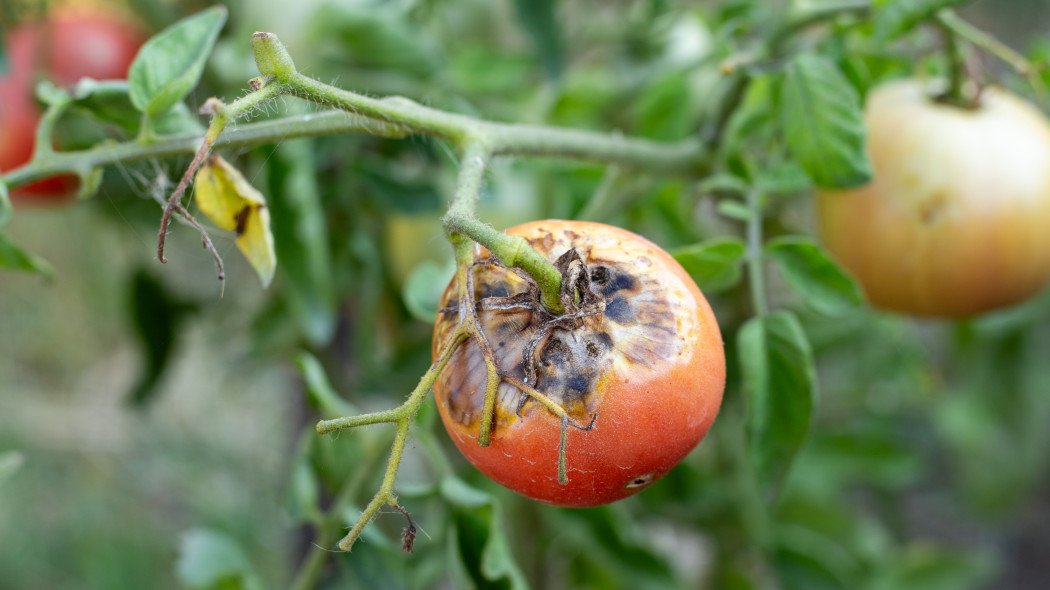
618, 310
600, 276
500, 289
556, 353
577, 385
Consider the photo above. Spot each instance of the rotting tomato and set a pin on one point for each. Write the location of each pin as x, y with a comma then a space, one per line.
639, 368
955, 221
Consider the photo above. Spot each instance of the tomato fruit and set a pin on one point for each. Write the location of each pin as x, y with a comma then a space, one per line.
644, 369
956, 219
71, 44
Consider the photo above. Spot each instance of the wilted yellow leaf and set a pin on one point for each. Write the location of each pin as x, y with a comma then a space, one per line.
232, 203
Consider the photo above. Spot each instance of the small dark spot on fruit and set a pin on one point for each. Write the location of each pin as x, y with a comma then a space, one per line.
593, 350
556, 352
620, 282
619, 311
641, 480
600, 275
501, 344
573, 236
578, 383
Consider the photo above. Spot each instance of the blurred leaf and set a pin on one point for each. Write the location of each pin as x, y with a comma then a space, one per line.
210, 560
715, 265
378, 39
665, 108
724, 183
424, 286
899, 16
538, 17
319, 390
10, 462
931, 568
304, 489
823, 123
800, 571
809, 269
481, 532
156, 317
785, 178
779, 384
6, 211
170, 64
232, 203
15, 258
300, 234
734, 209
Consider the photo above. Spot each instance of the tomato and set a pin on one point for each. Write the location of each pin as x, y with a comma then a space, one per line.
956, 219
71, 44
639, 370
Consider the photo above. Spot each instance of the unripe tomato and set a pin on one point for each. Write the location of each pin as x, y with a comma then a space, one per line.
644, 368
957, 218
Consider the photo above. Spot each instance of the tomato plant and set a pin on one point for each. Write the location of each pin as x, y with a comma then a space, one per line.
71, 43
248, 320
638, 368
954, 221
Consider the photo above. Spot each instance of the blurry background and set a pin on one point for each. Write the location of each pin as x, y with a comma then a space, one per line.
151, 411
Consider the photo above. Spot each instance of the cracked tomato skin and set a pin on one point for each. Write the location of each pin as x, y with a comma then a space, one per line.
956, 219
649, 370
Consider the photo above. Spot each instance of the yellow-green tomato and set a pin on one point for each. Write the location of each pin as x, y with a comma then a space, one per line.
957, 218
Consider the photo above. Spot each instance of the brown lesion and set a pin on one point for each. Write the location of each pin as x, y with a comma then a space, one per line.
611, 314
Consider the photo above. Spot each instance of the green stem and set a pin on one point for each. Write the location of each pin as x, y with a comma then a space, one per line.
950, 20
957, 74
755, 266
244, 135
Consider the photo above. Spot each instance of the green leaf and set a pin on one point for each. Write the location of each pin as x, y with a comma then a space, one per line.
715, 265
377, 38
210, 560
823, 123
156, 317
304, 490
538, 17
898, 16
809, 269
13, 257
733, 209
724, 183
318, 388
10, 462
481, 532
300, 234
932, 568
170, 64
6, 211
779, 383
424, 286
109, 101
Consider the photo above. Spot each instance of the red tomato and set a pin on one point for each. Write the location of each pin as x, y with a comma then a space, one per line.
956, 219
642, 364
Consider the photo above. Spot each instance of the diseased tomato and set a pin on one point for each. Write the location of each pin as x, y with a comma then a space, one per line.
639, 368
956, 219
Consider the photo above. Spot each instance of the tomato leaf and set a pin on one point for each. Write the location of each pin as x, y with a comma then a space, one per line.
109, 101
539, 19
318, 389
823, 123
779, 383
170, 64
301, 240
226, 197
156, 317
423, 288
898, 16
210, 560
715, 265
933, 568
733, 209
809, 269
15, 258
481, 530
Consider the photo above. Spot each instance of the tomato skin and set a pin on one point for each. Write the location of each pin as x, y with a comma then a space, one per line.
71, 44
649, 414
955, 221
